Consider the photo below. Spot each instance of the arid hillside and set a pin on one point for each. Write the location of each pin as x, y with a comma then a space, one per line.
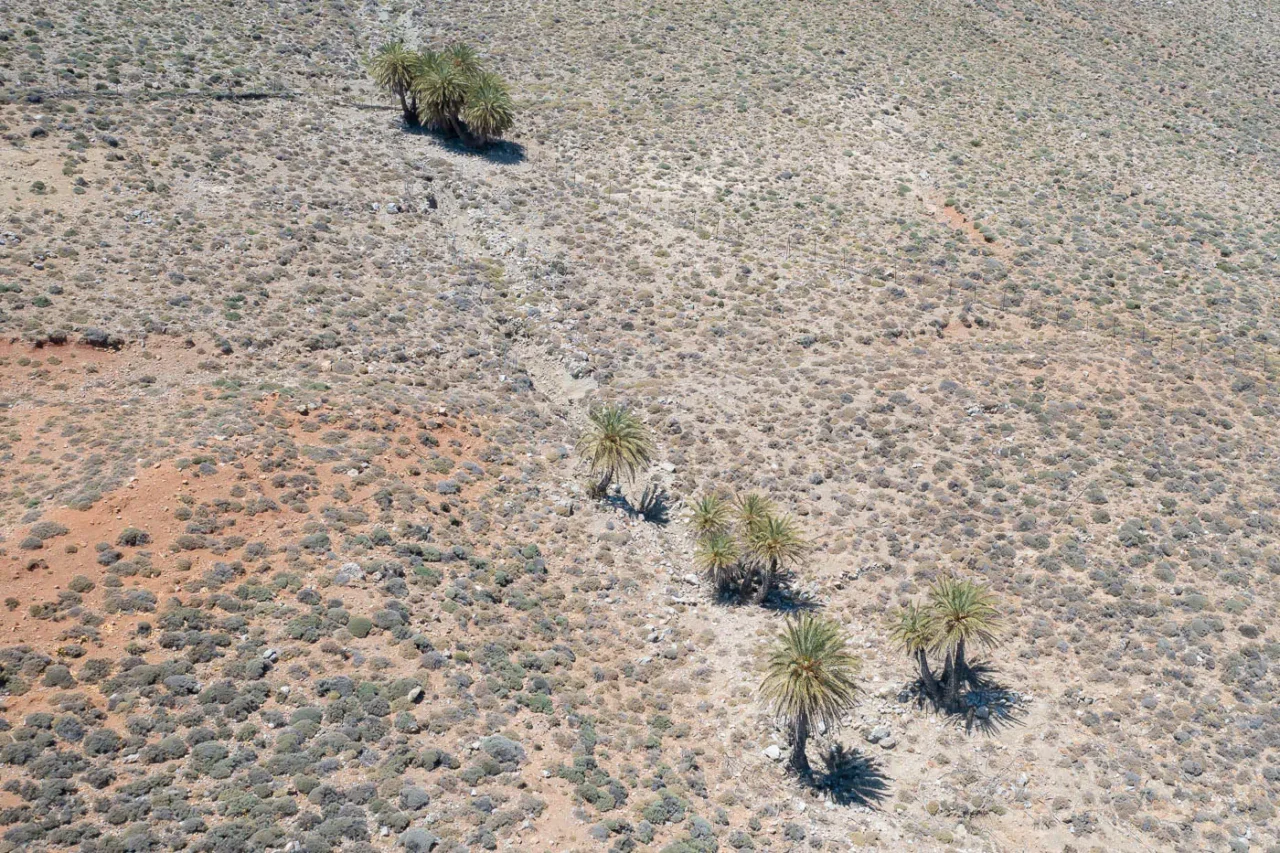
297, 539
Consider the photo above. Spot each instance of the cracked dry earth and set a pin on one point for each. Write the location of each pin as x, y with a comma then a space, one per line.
296, 552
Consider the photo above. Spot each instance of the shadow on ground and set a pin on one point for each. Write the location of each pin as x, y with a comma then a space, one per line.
500, 151
653, 505
851, 778
987, 707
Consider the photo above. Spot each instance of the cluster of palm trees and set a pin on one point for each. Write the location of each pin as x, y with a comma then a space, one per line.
449, 90
743, 544
956, 614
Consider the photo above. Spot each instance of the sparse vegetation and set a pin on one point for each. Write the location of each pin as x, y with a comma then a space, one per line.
292, 516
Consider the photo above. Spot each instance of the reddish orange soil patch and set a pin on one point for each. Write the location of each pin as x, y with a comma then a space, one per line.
391, 451
957, 221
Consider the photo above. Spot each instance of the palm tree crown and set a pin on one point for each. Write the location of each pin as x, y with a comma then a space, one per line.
489, 111
394, 68
440, 87
464, 58
753, 509
616, 445
710, 517
962, 612
914, 629
717, 557
776, 541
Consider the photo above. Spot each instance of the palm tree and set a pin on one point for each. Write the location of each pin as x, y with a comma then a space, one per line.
710, 517
717, 557
753, 509
914, 633
960, 612
809, 679
489, 111
441, 90
394, 68
464, 58
616, 446
773, 543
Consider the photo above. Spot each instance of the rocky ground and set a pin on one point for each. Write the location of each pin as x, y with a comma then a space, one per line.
297, 552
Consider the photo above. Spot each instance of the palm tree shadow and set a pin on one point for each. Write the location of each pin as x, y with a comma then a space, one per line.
501, 151
850, 777
987, 707
785, 598
652, 506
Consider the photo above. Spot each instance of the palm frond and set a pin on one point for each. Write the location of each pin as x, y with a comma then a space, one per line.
717, 556
489, 111
753, 509
776, 541
464, 58
913, 629
440, 87
394, 67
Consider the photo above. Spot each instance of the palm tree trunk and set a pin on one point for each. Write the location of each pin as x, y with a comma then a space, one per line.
767, 573
601, 488
955, 679
930, 684
799, 740
408, 108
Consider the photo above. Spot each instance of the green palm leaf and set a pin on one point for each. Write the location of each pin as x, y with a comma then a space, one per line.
913, 630
463, 57
753, 509
394, 68
489, 111
717, 557
441, 89
776, 542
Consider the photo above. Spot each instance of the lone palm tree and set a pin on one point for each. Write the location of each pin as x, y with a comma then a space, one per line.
809, 679
961, 612
753, 509
913, 632
489, 111
394, 68
616, 445
717, 557
710, 517
773, 544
